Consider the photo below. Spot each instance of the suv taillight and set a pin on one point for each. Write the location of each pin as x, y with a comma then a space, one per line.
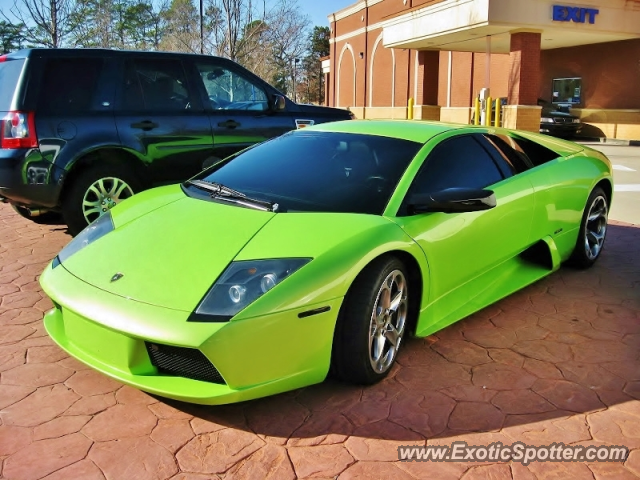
18, 130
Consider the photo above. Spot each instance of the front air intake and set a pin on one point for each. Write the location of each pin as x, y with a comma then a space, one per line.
183, 362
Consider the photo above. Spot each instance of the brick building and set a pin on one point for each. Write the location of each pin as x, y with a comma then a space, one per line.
442, 52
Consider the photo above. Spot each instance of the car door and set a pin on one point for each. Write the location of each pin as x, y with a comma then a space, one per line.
461, 248
238, 107
160, 116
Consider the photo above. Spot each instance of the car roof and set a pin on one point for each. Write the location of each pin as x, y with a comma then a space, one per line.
412, 130
97, 52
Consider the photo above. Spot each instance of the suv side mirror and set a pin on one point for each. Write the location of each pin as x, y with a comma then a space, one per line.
452, 200
278, 103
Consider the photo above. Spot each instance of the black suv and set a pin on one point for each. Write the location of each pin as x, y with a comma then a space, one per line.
82, 129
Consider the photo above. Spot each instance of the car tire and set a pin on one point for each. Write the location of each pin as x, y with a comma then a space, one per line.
42, 219
593, 230
363, 344
94, 191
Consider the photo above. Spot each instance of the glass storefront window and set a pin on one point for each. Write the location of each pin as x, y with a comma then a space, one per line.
567, 90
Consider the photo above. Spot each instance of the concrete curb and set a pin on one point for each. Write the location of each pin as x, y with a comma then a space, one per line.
611, 141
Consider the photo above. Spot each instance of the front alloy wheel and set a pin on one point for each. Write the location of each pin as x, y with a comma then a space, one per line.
372, 322
388, 321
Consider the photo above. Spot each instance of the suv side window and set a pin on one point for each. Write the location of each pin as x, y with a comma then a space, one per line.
228, 90
155, 85
69, 85
458, 162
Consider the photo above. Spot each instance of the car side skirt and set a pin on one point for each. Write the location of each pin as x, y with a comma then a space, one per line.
533, 264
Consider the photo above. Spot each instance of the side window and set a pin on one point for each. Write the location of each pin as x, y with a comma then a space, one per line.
508, 153
228, 90
458, 162
536, 153
155, 85
69, 85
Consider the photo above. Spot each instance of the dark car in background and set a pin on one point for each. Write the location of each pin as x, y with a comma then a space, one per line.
82, 129
556, 120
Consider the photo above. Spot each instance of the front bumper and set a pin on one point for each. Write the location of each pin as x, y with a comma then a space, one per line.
561, 129
256, 357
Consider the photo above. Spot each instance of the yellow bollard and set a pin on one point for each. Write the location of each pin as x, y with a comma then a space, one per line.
410, 109
476, 111
498, 112
487, 116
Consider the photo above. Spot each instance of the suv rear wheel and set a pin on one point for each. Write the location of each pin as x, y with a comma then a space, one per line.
95, 191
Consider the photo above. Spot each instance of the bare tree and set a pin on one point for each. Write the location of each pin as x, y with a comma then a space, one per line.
264, 38
48, 22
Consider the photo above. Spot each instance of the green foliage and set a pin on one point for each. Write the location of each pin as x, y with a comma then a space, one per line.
319, 42
318, 47
11, 37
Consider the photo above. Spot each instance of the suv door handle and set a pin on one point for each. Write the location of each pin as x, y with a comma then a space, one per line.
229, 124
145, 125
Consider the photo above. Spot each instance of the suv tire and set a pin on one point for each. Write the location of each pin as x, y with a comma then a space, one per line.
96, 190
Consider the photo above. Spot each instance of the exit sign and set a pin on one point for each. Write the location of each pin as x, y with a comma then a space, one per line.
574, 14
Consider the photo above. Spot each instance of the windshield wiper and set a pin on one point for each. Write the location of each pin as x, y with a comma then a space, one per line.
221, 192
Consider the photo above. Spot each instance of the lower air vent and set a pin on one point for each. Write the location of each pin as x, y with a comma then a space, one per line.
183, 362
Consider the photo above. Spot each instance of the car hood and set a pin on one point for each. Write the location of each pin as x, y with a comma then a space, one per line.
171, 255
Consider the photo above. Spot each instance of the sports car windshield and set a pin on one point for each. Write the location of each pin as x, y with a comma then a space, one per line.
307, 171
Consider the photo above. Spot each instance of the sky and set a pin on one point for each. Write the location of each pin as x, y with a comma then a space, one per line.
317, 10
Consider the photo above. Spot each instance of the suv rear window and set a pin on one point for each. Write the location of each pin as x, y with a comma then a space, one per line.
69, 85
9, 75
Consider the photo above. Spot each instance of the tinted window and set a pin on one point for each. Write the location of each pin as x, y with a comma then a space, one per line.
227, 90
508, 153
69, 85
318, 171
536, 153
459, 162
9, 75
131, 89
155, 85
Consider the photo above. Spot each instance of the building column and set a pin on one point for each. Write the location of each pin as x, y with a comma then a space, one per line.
522, 111
426, 88
325, 63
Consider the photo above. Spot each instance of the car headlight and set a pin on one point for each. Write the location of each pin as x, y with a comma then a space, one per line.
576, 120
241, 284
546, 120
99, 228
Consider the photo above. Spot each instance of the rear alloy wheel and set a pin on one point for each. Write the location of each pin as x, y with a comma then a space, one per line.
593, 230
94, 192
372, 323
103, 195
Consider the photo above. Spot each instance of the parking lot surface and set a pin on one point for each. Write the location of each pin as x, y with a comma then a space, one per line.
556, 362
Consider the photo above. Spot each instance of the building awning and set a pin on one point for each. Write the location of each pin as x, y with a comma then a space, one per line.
463, 25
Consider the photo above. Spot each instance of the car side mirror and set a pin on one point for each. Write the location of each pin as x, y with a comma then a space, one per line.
278, 103
452, 200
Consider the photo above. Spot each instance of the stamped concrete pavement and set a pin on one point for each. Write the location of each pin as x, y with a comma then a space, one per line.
556, 362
